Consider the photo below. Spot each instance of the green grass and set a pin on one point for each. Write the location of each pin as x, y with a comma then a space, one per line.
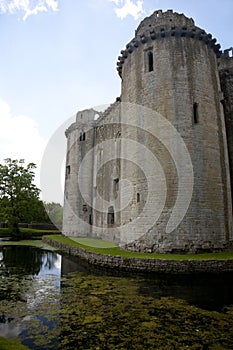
36, 231
4, 232
93, 242
7, 344
116, 251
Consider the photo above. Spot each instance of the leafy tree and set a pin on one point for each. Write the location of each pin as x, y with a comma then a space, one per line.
55, 212
19, 197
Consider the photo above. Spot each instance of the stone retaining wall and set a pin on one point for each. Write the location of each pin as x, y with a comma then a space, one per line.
145, 265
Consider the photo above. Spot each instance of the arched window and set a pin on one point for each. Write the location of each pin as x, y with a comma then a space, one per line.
150, 61
82, 136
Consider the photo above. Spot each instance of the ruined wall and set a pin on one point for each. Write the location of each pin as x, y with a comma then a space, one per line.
171, 67
145, 264
226, 78
78, 194
92, 175
106, 217
169, 73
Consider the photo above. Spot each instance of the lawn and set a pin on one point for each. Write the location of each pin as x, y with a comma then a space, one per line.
105, 247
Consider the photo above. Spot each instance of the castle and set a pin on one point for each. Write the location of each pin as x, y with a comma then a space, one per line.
154, 171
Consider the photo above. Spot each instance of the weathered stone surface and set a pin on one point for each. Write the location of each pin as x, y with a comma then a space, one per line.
145, 265
170, 68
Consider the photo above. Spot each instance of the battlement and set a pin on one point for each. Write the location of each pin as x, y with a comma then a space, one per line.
228, 52
84, 118
129, 166
225, 62
87, 115
162, 25
160, 18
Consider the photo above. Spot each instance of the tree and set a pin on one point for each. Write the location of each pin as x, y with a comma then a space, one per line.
55, 212
19, 197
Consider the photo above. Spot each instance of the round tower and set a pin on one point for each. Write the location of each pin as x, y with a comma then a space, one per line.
170, 66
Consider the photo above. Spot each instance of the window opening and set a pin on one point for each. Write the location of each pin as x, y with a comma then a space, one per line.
90, 219
138, 197
195, 113
150, 61
82, 136
110, 216
68, 170
116, 185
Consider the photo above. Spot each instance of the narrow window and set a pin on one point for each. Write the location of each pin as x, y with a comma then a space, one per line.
110, 218
195, 113
84, 207
138, 197
82, 136
115, 185
67, 170
90, 219
150, 62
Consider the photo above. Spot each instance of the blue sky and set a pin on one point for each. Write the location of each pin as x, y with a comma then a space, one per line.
58, 57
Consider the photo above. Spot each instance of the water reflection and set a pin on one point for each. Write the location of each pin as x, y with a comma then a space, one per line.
208, 291
38, 292
23, 260
28, 277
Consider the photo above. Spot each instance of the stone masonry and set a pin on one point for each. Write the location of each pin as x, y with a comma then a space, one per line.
174, 77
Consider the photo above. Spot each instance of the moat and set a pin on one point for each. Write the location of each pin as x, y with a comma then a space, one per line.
53, 301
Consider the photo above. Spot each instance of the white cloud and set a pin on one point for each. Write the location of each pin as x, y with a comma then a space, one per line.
20, 138
52, 4
128, 7
27, 7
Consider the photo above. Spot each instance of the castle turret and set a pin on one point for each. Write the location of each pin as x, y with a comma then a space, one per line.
78, 212
170, 66
152, 173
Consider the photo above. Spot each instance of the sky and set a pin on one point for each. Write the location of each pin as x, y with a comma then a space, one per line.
59, 56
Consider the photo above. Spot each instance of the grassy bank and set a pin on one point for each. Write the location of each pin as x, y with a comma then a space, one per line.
7, 344
93, 245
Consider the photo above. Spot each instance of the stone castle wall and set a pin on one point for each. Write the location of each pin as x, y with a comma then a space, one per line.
226, 78
170, 68
145, 264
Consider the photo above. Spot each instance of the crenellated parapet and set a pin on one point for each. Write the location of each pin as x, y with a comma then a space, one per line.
161, 25
151, 172
225, 62
84, 119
